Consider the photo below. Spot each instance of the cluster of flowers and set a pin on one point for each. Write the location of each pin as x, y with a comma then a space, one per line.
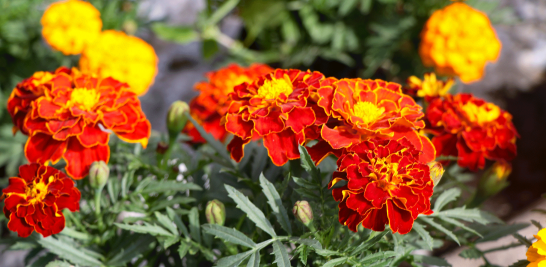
69, 114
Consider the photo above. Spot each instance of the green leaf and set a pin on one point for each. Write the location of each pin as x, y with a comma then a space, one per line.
471, 253
309, 242
147, 228
460, 224
446, 197
429, 260
275, 202
215, 144
58, 264
500, 231
374, 238
68, 252
68, 231
522, 240
305, 184
221, 12
235, 260
335, 262
177, 34
377, 256
47, 260
210, 47
424, 235
469, 215
440, 228
254, 260
169, 203
166, 222
194, 224
520, 263
167, 185
326, 252
308, 165
281, 256
183, 249
130, 249
252, 212
229, 235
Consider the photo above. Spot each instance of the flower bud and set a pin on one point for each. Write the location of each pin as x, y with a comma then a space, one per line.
98, 174
215, 212
176, 118
502, 170
436, 171
303, 212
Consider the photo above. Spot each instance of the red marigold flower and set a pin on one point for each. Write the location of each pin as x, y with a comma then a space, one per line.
211, 105
365, 109
275, 107
386, 184
472, 130
27, 91
71, 121
35, 199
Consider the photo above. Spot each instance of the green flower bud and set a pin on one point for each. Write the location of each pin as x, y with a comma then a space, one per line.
303, 212
98, 174
176, 118
215, 212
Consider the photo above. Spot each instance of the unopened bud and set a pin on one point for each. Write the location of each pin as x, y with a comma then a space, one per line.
502, 170
302, 210
161, 147
436, 171
215, 212
177, 118
98, 174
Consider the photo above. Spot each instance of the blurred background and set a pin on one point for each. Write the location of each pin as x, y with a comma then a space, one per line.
340, 38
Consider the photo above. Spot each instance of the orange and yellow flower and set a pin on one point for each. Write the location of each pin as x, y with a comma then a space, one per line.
74, 118
36, 198
125, 58
385, 184
459, 41
472, 130
429, 87
211, 105
70, 26
27, 91
364, 109
536, 253
274, 107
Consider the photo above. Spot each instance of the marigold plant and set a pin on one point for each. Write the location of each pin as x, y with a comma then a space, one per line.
35, 199
125, 58
211, 105
472, 130
71, 120
386, 184
70, 26
459, 40
536, 253
364, 109
276, 108
429, 87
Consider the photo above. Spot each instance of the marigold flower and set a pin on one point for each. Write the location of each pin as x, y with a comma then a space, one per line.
536, 253
70, 26
365, 109
35, 199
125, 58
430, 86
386, 184
70, 120
276, 108
211, 105
472, 130
459, 40
27, 91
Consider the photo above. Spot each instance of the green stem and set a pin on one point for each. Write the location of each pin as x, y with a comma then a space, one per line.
98, 195
168, 152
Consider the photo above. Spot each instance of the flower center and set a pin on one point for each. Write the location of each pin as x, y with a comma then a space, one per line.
37, 191
272, 89
481, 114
83, 98
367, 111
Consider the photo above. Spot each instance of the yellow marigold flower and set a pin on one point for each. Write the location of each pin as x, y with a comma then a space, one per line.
459, 41
536, 254
125, 58
69, 26
430, 86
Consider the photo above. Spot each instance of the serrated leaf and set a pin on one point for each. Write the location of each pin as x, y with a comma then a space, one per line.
46, 260
469, 215
195, 230
229, 235
254, 260
520, 263
183, 249
68, 252
441, 229
252, 212
377, 256
326, 252
306, 241
281, 256
433, 261
500, 231
274, 200
235, 260
335, 262
57, 264
151, 229
471, 253
446, 197
460, 225
130, 249
168, 203
179, 224
522, 240
215, 144
304, 183
166, 222
424, 235
308, 165
166, 185
372, 239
